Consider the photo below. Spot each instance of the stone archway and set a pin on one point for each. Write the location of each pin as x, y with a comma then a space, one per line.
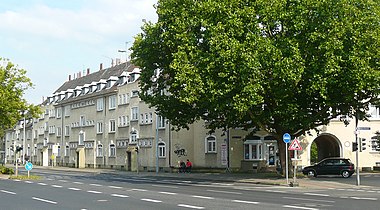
327, 146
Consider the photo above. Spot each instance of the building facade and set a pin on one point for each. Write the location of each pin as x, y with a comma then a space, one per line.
98, 120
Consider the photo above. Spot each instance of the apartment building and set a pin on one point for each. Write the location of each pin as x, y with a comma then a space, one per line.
98, 120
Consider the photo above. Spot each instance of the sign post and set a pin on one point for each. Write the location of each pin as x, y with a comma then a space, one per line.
286, 138
28, 167
295, 145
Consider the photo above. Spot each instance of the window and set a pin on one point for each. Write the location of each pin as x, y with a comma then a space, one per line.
122, 121
99, 151
161, 150
59, 112
141, 118
67, 150
112, 101
147, 118
67, 130
99, 127
81, 138
161, 122
112, 127
135, 113
59, 131
28, 151
133, 136
210, 144
135, 93
99, 104
252, 151
375, 144
82, 120
112, 150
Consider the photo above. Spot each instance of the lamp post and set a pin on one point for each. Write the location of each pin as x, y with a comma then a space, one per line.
24, 140
357, 151
157, 167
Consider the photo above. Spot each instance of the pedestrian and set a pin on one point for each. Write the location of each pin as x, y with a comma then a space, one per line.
188, 166
182, 167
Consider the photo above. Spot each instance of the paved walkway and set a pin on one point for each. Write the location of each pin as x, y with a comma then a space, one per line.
216, 177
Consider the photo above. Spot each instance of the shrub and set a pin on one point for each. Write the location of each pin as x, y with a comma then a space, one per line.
5, 170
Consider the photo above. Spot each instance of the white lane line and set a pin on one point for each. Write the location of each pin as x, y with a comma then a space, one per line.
9, 192
202, 197
73, 188
154, 185
228, 192
120, 196
93, 191
298, 207
115, 187
29, 182
17, 180
248, 202
275, 191
357, 198
56, 186
139, 190
62, 180
316, 194
78, 182
222, 184
168, 193
44, 200
43, 184
150, 200
96, 185
190, 206
307, 199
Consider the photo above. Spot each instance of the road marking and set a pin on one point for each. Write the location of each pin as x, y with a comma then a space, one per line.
150, 200
95, 192
190, 206
43, 184
29, 182
275, 191
248, 202
168, 193
120, 196
62, 180
308, 199
96, 185
56, 186
115, 187
228, 192
17, 180
139, 190
9, 192
203, 197
154, 185
102, 200
222, 184
78, 182
298, 207
44, 200
357, 198
73, 188
316, 194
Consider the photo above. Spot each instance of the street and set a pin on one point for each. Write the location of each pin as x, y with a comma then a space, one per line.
84, 190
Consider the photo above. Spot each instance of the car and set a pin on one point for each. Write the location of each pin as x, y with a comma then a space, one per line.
331, 166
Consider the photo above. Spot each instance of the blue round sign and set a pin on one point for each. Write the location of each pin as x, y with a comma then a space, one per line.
28, 166
286, 138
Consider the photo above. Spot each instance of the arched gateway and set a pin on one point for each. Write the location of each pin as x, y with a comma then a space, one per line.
327, 145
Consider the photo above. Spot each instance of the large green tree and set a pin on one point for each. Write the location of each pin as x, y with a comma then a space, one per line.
13, 84
279, 65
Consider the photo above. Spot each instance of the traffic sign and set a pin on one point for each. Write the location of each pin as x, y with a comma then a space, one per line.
295, 145
286, 138
28, 166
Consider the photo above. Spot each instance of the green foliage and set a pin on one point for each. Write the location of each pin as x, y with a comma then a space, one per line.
313, 153
13, 84
5, 170
279, 65
25, 177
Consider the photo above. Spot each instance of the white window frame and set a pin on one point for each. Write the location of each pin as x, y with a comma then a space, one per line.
161, 121
99, 104
82, 120
99, 127
112, 126
134, 113
210, 144
81, 137
99, 150
59, 112
67, 130
112, 150
59, 131
253, 149
133, 137
161, 149
112, 102
67, 150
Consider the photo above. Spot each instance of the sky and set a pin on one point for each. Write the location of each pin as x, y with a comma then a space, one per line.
52, 39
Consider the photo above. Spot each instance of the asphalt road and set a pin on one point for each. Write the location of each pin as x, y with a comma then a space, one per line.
80, 190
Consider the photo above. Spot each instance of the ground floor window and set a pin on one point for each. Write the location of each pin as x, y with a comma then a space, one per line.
161, 150
253, 151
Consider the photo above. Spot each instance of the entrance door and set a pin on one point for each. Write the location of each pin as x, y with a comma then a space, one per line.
129, 161
77, 160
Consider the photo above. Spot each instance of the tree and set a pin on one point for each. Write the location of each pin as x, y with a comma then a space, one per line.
13, 84
279, 66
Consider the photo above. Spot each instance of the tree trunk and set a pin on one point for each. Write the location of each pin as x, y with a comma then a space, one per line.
282, 150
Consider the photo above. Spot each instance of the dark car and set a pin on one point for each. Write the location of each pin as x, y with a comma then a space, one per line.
330, 166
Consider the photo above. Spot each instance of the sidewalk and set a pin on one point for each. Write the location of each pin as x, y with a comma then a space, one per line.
215, 177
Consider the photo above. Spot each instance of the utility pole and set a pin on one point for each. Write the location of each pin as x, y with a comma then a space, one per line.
357, 151
24, 140
157, 167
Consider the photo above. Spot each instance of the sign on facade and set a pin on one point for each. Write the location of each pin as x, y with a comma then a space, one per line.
223, 154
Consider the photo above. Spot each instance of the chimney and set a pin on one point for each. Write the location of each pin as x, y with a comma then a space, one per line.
101, 66
43, 99
88, 71
80, 74
69, 77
